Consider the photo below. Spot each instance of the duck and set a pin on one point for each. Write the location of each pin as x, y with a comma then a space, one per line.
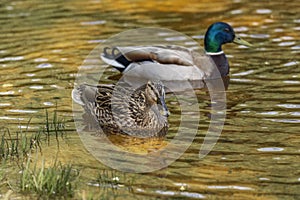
176, 63
122, 109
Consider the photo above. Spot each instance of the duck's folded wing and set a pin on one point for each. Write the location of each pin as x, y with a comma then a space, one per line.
161, 54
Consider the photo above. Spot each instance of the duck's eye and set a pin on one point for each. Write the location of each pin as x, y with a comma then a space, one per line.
227, 30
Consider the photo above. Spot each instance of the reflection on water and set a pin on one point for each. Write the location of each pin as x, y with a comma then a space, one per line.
256, 157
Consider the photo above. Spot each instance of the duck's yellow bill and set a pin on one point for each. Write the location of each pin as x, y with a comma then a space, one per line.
238, 40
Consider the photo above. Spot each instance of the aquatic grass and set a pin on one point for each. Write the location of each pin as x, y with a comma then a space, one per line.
56, 181
17, 145
20, 143
54, 126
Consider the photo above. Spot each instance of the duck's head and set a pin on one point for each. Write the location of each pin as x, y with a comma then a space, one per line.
218, 34
155, 94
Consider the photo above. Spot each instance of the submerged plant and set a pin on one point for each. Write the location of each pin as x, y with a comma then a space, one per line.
108, 184
111, 179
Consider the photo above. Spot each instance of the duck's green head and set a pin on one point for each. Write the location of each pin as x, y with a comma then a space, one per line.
218, 34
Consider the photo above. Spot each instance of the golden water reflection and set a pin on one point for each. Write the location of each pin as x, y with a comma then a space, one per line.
256, 157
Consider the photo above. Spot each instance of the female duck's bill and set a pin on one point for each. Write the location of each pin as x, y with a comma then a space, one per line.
122, 109
169, 62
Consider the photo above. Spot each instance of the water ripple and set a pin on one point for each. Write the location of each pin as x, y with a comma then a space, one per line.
99, 22
236, 12
287, 38
285, 120
291, 82
264, 179
243, 73
284, 44
242, 80
229, 187
5, 104
295, 47
260, 36
48, 103
270, 149
40, 60
289, 105
270, 113
263, 11
186, 194
37, 87
170, 193
11, 118
193, 195
44, 66
293, 63
17, 58
295, 113
7, 93
22, 111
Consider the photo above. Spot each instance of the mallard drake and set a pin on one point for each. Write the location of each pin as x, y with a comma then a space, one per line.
140, 112
169, 63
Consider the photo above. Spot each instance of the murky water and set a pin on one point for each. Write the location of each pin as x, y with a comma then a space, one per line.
257, 156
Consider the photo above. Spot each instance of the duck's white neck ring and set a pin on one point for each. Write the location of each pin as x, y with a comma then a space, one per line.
215, 53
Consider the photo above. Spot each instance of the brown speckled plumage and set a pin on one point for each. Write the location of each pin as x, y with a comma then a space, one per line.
125, 110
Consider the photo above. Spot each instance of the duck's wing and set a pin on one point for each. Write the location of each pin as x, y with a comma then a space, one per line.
161, 54
121, 57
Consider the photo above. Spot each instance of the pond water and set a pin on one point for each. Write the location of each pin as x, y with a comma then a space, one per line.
257, 155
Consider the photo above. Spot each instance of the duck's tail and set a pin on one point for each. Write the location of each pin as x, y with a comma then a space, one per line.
76, 96
84, 94
115, 58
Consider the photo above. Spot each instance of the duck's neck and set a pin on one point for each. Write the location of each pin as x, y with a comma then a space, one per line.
213, 48
212, 43
221, 62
